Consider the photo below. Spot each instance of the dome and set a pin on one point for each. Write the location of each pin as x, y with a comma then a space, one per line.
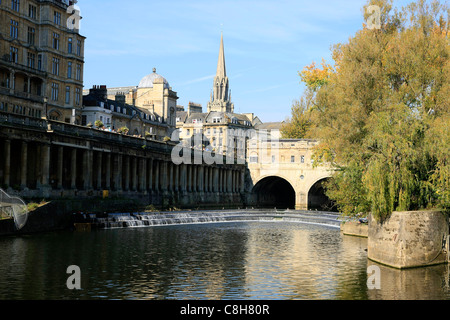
147, 81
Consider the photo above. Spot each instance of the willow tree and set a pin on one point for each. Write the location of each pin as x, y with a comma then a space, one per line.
382, 111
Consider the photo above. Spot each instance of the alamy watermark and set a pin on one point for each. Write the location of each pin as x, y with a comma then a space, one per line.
374, 278
74, 281
374, 18
74, 20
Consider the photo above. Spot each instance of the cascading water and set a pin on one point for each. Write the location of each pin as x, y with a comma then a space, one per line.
134, 220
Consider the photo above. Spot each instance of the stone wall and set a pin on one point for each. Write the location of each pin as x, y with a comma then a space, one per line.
354, 228
408, 239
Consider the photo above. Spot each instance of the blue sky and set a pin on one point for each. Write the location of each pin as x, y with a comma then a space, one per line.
266, 44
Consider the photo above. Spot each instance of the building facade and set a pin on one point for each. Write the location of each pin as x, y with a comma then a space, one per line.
41, 60
220, 128
116, 115
148, 109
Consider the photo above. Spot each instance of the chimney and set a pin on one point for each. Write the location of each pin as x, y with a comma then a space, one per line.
120, 97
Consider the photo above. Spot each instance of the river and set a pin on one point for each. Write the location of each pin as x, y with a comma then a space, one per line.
244, 260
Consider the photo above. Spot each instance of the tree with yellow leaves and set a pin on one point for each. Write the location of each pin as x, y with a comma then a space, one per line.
382, 112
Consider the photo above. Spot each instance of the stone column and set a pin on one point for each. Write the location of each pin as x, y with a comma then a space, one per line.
176, 178
164, 176
189, 178
183, 178
7, 167
108, 172
126, 178
99, 170
194, 178
205, 179
143, 175
117, 172
45, 154
200, 178
73, 169
86, 169
23, 165
229, 181
120, 160
59, 168
242, 190
170, 168
150, 174
157, 171
216, 180
134, 174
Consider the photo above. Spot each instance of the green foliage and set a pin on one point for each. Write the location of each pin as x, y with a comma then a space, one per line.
298, 125
99, 124
381, 113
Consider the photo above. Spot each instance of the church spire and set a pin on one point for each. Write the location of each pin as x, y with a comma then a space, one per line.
221, 69
220, 99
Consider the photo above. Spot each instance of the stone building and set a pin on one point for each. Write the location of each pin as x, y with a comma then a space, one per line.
41, 60
153, 100
117, 115
220, 127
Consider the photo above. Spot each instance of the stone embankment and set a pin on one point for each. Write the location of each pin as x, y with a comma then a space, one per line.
409, 239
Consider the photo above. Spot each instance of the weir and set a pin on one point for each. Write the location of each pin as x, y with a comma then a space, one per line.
139, 220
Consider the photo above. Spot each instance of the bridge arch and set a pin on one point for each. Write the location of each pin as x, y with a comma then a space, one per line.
317, 198
274, 191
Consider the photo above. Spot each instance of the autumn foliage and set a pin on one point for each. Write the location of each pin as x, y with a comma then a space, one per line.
382, 112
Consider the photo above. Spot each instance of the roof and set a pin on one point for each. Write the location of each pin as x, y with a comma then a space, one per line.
148, 80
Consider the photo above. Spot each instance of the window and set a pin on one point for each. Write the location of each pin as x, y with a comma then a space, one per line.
302, 159
31, 60
55, 66
15, 5
55, 91
14, 29
39, 64
79, 47
69, 70
292, 159
32, 11
55, 41
14, 54
77, 96
78, 72
217, 120
254, 159
57, 18
69, 45
31, 35
273, 159
67, 95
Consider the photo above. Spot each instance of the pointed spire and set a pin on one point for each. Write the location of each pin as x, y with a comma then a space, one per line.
221, 70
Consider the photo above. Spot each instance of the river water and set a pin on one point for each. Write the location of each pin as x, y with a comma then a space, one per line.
245, 260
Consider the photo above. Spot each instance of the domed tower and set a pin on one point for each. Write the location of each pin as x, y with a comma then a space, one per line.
221, 97
155, 94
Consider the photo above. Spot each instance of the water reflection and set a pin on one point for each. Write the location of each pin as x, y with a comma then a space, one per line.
223, 261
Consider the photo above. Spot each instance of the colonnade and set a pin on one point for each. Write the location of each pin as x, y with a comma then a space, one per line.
60, 166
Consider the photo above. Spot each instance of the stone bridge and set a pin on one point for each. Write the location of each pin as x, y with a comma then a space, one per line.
282, 175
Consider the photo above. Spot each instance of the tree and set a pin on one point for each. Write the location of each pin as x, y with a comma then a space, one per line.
381, 112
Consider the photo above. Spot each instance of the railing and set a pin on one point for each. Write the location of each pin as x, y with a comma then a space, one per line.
99, 135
